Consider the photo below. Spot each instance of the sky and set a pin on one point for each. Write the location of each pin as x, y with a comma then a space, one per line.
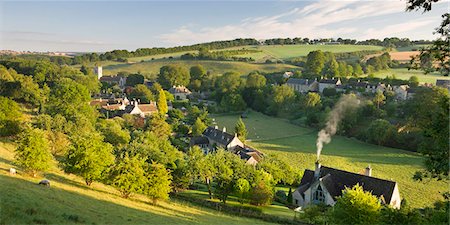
98, 26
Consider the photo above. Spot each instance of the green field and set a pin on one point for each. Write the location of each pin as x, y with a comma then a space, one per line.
151, 68
284, 52
70, 201
411, 48
297, 145
405, 74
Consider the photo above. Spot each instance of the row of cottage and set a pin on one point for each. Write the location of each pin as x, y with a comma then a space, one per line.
402, 92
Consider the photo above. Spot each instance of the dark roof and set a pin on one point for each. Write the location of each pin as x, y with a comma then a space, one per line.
199, 141
336, 180
299, 81
218, 136
445, 83
247, 152
111, 78
329, 81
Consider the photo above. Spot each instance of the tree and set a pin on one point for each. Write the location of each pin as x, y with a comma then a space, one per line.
242, 188
113, 132
198, 127
438, 51
429, 110
357, 70
289, 198
158, 182
255, 80
135, 79
280, 99
88, 156
312, 100
33, 153
197, 72
240, 130
233, 102
379, 98
194, 158
128, 175
262, 189
331, 69
173, 75
162, 103
70, 99
413, 81
356, 206
10, 117
143, 93
315, 62
160, 127
229, 82
380, 131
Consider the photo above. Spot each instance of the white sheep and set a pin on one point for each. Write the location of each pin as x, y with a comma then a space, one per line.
12, 171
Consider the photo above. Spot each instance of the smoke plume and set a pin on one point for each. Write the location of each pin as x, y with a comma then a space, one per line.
346, 102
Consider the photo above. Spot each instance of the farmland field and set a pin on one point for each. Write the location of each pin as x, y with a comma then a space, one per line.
291, 51
405, 74
70, 201
297, 145
151, 68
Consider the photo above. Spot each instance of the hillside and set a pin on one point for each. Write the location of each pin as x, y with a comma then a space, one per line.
70, 201
405, 74
284, 52
297, 145
150, 68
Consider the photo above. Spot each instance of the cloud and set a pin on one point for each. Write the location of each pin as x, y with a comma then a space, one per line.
319, 19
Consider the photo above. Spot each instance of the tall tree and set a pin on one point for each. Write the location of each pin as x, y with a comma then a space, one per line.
135, 79
88, 156
158, 182
356, 206
173, 75
379, 98
240, 130
143, 93
255, 80
315, 62
10, 117
198, 127
162, 103
128, 175
33, 152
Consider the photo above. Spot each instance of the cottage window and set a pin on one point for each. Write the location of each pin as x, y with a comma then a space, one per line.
318, 195
296, 201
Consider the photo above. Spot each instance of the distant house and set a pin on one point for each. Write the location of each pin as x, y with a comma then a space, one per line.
410, 92
328, 83
325, 184
303, 85
401, 92
133, 108
287, 74
213, 138
180, 92
443, 83
114, 80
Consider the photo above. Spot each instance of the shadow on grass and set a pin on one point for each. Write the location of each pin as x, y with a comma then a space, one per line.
28, 203
61, 179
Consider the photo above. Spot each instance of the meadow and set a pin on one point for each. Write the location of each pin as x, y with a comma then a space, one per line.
70, 201
405, 74
284, 52
297, 145
151, 68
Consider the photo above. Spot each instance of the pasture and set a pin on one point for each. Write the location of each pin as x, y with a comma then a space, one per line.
405, 74
284, 52
151, 68
70, 201
297, 145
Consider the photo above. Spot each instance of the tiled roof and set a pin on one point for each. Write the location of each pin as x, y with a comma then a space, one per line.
336, 180
299, 81
328, 81
218, 136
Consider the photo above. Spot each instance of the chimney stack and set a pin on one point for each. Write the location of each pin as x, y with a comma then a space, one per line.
317, 170
224, 129
368, 171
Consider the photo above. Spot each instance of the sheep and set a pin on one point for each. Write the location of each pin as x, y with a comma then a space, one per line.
45, 183
12, 171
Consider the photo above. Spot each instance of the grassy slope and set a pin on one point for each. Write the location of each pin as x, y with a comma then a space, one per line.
69, 201
405, 74
297, 145
216, 67
292, 51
